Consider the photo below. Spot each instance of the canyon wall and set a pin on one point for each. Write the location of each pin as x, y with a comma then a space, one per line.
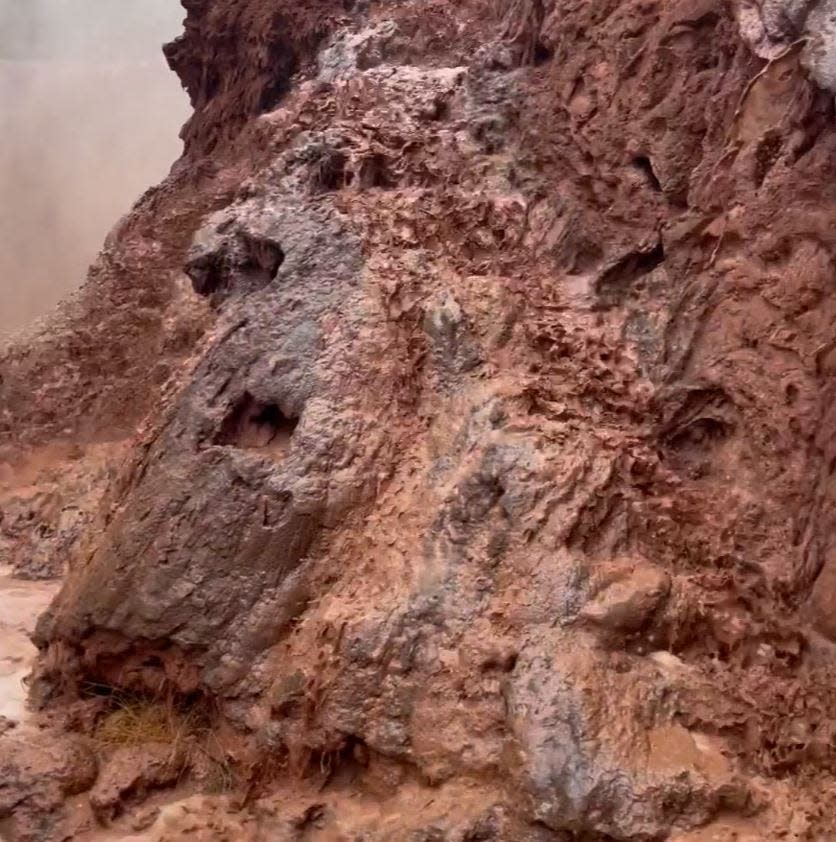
471, 378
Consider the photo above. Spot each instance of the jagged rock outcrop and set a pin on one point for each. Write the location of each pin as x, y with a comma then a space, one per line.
506, 462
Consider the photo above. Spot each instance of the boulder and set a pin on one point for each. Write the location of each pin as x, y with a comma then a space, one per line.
130, 773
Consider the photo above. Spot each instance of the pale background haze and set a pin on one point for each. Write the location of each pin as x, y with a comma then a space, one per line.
89, 118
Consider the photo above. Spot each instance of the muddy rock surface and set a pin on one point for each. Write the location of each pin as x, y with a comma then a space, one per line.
132, 773
469, 384
38, 772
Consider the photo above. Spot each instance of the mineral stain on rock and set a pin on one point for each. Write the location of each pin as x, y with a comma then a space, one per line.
469, 390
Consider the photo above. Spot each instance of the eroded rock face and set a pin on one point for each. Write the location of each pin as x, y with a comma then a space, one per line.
598, 763
48, 500
37, 774
773, 27
131, 773
508, 456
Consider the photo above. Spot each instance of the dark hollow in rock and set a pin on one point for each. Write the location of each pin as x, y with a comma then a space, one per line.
254, 425
542, 54
328, 173
767, 155
262, 258
706, 408
644, 164
694, 434
374, 172
281, 64
615, 283
243, 264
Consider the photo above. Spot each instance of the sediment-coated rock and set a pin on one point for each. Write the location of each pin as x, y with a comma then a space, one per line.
37, 773
132, 773
517, 368
627, 598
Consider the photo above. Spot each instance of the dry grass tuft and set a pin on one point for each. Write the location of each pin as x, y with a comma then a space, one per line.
222, 775
137, 721
134, 721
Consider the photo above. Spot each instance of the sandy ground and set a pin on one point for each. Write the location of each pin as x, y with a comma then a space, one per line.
21, 603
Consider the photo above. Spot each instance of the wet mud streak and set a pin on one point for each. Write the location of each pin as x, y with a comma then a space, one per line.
21, 603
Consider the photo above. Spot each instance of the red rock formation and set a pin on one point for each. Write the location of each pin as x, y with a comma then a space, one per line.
503, 477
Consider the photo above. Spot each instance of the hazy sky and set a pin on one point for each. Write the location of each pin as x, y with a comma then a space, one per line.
87, 29
89, 119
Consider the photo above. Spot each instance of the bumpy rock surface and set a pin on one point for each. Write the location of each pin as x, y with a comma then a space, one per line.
48, 501
132, 773
496, 448
774, 27
37, 773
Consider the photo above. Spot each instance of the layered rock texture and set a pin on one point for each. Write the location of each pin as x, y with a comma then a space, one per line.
470, 382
